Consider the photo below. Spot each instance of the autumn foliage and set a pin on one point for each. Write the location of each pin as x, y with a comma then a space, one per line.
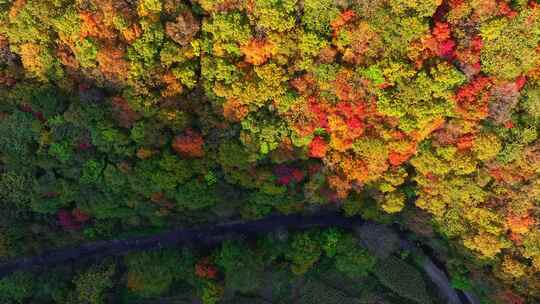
119, 113
189, 144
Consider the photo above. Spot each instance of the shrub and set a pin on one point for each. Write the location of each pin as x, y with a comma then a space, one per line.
403, 279
91, 285
150, 274
243, 268
17, 287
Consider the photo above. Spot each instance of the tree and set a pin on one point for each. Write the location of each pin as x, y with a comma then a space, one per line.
510, 51
184, 29
352, 260
304, 251
14, 193
189, 145
21, 132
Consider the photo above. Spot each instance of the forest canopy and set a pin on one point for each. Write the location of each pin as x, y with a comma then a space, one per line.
120, 117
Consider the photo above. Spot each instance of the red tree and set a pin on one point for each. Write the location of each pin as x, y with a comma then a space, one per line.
318, 147
189, 145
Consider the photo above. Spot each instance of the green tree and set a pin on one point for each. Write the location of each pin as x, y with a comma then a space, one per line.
351, 259
20, 132
91, 285
304, 251
509, 46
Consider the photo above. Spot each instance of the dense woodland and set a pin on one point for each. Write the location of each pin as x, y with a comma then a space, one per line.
127, 117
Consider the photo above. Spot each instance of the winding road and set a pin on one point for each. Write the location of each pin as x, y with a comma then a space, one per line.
207, 235
210, 235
